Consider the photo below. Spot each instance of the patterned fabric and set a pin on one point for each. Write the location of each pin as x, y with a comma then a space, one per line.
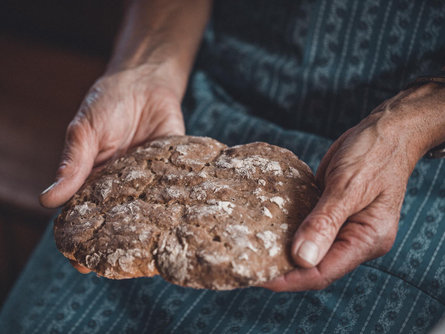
295, 74
321, 65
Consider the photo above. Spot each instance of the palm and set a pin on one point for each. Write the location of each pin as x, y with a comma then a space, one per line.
116, 114
125, 121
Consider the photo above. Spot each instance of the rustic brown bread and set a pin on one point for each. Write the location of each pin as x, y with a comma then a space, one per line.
191, 209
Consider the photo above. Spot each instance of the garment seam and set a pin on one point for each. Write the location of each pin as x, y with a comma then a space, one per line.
404, 280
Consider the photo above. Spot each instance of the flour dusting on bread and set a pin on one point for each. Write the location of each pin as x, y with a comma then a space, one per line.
191, 209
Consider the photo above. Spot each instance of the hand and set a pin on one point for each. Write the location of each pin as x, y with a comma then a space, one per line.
139, 96
120, 111
363, 177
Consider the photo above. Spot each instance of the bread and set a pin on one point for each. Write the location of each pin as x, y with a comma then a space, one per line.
191, 209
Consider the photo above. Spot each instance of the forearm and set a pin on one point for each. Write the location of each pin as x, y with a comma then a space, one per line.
159, 32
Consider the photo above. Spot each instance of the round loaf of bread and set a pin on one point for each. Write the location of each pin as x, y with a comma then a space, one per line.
191, 209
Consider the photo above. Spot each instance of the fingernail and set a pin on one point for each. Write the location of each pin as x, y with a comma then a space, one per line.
309, 252
49, 188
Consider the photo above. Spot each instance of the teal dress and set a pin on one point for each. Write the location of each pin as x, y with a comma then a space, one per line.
295, 74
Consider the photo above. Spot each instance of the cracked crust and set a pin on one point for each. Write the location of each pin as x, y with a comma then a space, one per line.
191, 209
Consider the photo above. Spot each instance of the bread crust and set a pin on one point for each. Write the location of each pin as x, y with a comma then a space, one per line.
191, 209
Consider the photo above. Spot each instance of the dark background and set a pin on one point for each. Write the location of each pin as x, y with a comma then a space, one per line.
50, 54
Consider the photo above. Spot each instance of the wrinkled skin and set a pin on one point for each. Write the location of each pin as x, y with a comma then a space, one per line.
139, 96
363, 177
120, 111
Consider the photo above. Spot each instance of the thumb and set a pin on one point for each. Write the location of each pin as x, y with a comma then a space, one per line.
318, 231
78, 157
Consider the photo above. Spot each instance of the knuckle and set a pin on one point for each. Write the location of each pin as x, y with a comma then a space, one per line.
78, 130
348, 182
339, 176
74, 127
324, 225
78, 139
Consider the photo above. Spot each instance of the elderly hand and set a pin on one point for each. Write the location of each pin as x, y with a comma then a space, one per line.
139, 96
121, 110
363, 177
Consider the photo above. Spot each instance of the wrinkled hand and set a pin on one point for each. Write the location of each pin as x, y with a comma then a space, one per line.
139, 96
363, 177
120, 111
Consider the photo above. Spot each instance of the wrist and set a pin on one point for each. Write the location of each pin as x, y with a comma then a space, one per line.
164, 35
149, 76
417, 115
426, 104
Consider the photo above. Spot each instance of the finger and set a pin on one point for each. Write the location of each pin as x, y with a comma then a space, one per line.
78, 157
354, 245
321, 170
80, 268
324, 163
318, 231
368, 234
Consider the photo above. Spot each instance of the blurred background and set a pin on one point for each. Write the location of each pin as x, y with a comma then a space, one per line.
50, 54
